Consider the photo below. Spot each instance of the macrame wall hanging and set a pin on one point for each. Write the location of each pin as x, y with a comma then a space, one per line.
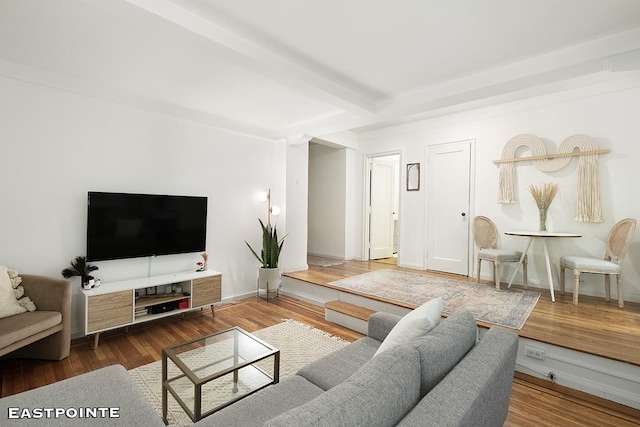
588, 207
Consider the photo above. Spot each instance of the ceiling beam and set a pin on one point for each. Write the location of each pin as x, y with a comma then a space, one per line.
587, 63
39, 77
239, 50
578, 61
577, 66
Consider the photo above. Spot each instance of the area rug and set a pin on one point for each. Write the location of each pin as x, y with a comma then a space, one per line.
299, 344
505, 307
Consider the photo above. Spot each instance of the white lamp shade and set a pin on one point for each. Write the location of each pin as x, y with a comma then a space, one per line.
275, 210
262, 196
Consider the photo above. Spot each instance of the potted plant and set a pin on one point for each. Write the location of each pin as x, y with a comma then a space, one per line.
271, 247
80, 267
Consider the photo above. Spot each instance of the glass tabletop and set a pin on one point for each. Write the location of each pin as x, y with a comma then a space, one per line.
215, 354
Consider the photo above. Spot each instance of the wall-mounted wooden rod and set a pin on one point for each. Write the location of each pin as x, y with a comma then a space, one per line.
553, 156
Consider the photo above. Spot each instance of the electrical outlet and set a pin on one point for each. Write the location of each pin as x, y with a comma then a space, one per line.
536, 353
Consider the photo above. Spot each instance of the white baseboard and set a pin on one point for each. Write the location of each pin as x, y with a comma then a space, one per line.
412, 266
337, 258
233, 298
292, 268
326, 255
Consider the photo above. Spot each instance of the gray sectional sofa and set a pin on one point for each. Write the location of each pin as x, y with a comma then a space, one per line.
445, 378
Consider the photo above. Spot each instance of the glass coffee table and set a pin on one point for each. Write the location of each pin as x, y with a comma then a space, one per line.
209, 373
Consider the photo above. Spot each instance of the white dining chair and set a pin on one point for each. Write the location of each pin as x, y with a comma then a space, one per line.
485, 234
617, 246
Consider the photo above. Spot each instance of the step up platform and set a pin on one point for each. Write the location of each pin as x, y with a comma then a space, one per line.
348, 315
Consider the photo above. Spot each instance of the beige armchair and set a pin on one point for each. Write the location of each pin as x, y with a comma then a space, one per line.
44, 333
617, 246
485, 234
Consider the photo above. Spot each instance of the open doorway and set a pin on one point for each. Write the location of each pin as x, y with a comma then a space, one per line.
382, 207
327, 205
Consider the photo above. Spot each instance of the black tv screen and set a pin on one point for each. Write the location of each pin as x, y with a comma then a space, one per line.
121, 225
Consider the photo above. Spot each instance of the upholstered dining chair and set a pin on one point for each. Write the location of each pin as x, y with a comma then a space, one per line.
485, 234
617, 246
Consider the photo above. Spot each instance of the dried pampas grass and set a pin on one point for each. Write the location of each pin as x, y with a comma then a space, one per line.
543, 197
544, 194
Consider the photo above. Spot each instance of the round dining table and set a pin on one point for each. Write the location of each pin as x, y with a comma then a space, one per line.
544, 236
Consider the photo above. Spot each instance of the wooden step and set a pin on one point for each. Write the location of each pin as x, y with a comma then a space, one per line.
352, 310
349, 315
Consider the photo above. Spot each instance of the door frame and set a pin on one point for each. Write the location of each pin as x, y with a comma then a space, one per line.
366, 240
472, 203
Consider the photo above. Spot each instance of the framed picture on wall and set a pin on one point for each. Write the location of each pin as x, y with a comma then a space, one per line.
413, 176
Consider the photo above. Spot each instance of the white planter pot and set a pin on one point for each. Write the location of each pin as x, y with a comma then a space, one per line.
268, 280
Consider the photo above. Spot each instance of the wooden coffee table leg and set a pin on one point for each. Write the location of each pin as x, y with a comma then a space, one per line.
96, 338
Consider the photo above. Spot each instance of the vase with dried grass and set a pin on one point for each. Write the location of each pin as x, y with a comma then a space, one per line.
543, 196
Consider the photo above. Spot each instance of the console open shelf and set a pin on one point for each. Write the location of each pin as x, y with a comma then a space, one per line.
150, 300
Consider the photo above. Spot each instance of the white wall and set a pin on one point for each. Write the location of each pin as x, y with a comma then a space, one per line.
294, 252
327, 201
354, 200
56, 146
608, 114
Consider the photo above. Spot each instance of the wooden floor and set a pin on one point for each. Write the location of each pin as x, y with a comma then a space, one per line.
593, 326
532, 403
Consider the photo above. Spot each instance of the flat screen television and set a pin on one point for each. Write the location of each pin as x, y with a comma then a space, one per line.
121, 225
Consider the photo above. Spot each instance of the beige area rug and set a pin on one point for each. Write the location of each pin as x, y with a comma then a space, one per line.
505, 307
299, 344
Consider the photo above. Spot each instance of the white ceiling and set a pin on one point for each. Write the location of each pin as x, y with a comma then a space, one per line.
281, 68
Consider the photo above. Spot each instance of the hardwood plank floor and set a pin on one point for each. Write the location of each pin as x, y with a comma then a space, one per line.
532, 404
144, 342
594, 326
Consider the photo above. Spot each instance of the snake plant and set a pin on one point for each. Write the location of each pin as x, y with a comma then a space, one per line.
271, 246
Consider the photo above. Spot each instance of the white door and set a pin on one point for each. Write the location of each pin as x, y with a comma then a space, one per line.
448, 207
381, 223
